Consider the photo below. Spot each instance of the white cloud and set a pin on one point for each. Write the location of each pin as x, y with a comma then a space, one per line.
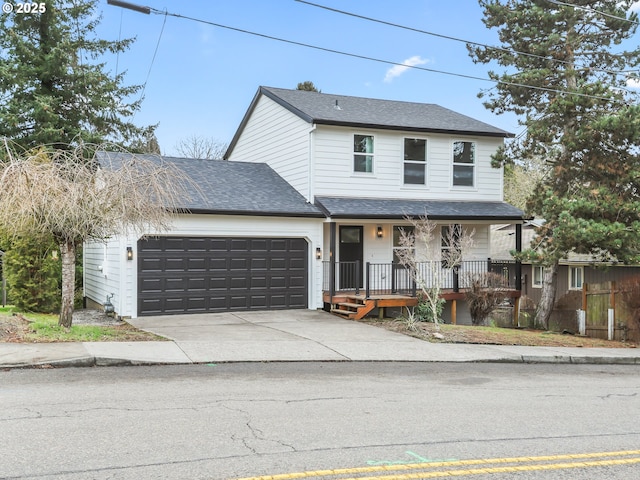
633, 82
398, 70
635, 7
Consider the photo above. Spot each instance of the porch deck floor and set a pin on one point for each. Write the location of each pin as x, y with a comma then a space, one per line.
387, 298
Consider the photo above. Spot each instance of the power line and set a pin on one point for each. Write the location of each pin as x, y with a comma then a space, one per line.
425, 32
147, 10
589, 9
449, 37
153, 59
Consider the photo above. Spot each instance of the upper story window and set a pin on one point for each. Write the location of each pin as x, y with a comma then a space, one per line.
464, 156
415, 161
363, 153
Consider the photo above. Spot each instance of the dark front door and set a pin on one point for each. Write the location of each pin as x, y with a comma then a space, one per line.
351, 257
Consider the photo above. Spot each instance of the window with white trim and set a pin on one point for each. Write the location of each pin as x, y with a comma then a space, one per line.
415, 161
363, 153
398, 244
576, 278
464, 154
538, 276
450, 248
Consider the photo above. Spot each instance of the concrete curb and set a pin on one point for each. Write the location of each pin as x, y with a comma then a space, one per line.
121, 362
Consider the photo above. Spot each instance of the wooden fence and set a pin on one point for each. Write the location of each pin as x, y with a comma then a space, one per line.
606, 314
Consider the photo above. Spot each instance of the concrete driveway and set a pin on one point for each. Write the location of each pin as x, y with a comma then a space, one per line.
289, 335
281, 335
307, 335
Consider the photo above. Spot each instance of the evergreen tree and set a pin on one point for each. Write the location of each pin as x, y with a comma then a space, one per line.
562, 75
57, 93
307, 86
32, 270
54, 88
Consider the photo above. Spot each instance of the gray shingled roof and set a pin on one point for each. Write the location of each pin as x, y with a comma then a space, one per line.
338, 207
233, 187
330, 109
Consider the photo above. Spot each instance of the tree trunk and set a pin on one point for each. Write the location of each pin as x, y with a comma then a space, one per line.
549, 284
68, 257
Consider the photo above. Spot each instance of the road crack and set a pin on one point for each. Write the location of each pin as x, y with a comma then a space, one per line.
257, 442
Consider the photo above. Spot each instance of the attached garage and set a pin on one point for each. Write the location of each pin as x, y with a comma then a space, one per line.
245, 240
179, 275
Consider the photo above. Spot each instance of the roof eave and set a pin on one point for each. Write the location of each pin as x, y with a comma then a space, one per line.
336, 123
207, 211
344, 216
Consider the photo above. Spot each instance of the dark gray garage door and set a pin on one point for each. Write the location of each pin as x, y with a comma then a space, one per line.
203, 274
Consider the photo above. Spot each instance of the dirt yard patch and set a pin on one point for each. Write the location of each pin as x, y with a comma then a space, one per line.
493, 335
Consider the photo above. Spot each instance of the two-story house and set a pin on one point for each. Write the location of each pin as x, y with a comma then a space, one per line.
308, 206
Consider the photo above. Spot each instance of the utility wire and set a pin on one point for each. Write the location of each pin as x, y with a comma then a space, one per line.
153, 59
589, 9
448, 37
372, 59
119, 38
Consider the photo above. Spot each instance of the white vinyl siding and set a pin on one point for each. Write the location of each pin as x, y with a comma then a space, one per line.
277, 137
107, 272
333, 167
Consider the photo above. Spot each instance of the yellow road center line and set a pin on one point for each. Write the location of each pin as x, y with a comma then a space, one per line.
462, 463
510, 469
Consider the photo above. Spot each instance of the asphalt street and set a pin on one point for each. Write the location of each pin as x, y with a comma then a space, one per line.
240, 420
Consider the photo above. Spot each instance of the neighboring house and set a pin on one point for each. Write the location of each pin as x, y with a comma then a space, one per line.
573, 272
351, 170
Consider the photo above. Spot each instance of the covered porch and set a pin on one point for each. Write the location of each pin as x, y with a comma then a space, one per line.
350, 294
361, 271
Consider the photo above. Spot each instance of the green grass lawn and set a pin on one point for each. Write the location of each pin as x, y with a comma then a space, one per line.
44, 328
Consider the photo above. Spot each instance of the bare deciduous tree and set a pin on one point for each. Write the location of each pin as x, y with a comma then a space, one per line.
196, 146
521, 179
430, 252
60, 193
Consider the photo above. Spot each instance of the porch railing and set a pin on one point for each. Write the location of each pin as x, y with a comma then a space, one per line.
393, 278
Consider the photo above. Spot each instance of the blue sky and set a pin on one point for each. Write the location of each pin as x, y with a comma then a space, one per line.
203, 77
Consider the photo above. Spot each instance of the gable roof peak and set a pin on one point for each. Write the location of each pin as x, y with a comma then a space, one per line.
344, 110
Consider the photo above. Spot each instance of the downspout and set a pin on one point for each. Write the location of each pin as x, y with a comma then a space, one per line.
518, 261
332, 261
311, 164
84, 275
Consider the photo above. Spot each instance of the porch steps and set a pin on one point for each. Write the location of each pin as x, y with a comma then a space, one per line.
354, 308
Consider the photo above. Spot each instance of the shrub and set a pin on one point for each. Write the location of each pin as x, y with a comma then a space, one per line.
424, 311
485, 293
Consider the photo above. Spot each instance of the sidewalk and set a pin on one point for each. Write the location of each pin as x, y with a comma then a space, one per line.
285, 336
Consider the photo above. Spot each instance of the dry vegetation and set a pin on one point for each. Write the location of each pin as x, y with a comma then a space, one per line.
494, 335
19, 329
